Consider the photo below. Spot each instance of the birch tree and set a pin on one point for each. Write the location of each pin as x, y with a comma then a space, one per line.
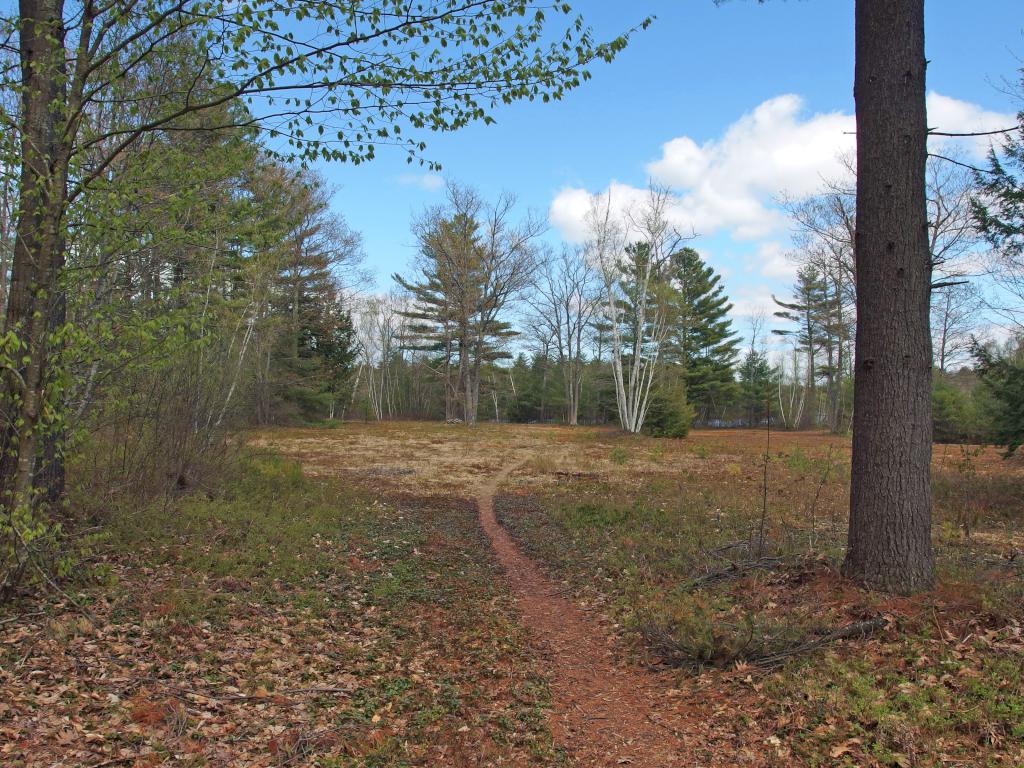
633, 253
379, 331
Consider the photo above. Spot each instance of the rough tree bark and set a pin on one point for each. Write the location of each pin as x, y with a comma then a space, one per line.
39, 247
890, 544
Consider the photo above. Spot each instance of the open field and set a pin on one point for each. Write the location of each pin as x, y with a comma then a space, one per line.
663, 538
647, 602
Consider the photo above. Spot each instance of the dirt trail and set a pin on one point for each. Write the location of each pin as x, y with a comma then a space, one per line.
604, 712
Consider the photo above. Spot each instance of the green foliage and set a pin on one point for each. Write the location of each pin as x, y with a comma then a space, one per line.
619, 455
757, 383
956, 411
379, 72
821, 330
806, 312
473, 261
155, 174
674, 304
999, 207
700, 629
206, 284
668, 412
798, 461
1002, 375
891, 714
701, 340
539, 392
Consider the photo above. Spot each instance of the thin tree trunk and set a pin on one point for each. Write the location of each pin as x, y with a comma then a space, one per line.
39, 246
890, 543
837, 404
51, 477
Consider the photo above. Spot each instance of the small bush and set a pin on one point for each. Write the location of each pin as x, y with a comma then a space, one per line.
955, 413
669, 414
798, 461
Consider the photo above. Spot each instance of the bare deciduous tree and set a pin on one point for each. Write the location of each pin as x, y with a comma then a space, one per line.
955, 313
564, 299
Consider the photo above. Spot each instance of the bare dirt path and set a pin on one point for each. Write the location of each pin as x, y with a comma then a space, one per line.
604, 712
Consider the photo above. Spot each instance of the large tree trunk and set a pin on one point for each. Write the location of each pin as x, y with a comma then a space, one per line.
890, 499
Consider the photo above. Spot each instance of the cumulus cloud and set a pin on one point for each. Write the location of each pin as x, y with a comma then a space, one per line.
568, 213
730, 183
949, 115
428, 182
772, 261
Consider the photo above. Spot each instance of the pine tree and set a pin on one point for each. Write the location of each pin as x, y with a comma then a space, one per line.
890, 528
473, 262
702, 341
757, 384
443, 300
809, 313
1002, 374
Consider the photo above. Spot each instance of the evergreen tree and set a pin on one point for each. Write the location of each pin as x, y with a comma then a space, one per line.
756, 385
473, 262
999, 217
809, 312
443, 300
314, 247
1002, 374
701, 341
669, 414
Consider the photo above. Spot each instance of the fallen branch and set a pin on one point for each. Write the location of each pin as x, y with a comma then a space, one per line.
742, 544
733, 571
857, 629
20, 617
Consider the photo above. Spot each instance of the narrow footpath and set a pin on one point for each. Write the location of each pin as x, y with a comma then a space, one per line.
603, 711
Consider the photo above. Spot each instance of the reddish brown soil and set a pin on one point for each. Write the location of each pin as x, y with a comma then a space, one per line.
604, 713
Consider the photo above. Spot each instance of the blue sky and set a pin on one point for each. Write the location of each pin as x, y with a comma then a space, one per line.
731, 104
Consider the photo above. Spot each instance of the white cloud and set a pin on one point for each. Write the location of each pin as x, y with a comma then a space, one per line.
731, 183
751, 301
568, 212
428, 182
954, 116
772, 261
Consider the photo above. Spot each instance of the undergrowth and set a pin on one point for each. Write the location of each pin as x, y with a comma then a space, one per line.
279, 620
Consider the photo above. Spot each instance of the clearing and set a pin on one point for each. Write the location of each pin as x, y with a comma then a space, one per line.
421, 594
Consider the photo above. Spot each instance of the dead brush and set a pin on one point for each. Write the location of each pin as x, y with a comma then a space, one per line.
177, 722
293, 747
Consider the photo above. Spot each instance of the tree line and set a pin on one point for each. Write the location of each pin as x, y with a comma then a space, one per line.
632, 327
